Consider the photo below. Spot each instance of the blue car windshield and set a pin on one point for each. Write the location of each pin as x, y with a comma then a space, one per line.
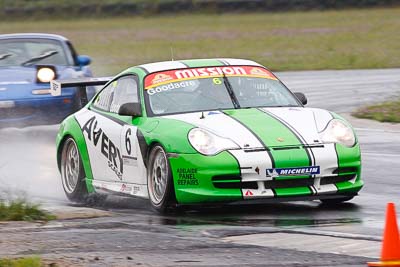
17, 52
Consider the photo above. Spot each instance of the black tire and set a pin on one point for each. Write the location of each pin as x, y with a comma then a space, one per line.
159, 181
72, 172
335, 201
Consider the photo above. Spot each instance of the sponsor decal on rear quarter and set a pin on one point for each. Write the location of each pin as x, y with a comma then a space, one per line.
107, 147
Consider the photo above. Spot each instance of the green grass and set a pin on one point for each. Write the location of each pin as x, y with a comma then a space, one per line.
385, 112
348, 39
22, 262
20, 210
45, 3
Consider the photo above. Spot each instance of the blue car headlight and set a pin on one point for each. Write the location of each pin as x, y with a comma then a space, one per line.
45, 74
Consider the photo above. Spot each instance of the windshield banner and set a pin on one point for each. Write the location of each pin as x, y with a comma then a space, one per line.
160, 78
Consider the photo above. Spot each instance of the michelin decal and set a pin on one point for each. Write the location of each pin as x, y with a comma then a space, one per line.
313, 170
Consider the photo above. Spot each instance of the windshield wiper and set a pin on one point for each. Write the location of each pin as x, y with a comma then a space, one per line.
38, 58
230, 92
6, 55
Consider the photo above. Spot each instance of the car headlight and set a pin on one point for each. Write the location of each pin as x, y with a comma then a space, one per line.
45, 75
208, 143
338, 132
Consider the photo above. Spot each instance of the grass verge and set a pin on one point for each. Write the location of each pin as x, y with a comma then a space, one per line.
22, 262
384, 112
346, 39
20, 210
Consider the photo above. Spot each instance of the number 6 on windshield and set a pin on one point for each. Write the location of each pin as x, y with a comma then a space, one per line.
217, 81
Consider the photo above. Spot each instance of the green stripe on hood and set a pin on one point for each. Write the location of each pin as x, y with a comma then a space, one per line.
273, 134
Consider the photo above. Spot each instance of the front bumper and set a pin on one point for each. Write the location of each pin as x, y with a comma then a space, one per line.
203, 179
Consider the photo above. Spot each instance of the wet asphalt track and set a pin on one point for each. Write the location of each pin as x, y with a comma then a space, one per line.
218, 235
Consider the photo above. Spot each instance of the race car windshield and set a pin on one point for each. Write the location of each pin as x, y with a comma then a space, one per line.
17, 52
190, 90
261, 92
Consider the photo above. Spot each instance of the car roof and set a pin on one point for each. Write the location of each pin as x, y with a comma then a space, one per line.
181, 64
32, 35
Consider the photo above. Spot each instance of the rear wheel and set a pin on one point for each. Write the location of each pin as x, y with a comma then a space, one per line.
159, 180
334, 201
72, 173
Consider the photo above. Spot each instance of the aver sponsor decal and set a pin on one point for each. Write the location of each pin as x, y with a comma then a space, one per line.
107, 147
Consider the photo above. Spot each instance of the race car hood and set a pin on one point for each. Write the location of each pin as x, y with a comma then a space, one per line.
17, 75
263, 127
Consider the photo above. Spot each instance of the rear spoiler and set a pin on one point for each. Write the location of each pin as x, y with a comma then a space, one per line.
56, 86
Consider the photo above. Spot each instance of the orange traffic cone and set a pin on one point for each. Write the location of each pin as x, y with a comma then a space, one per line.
391, 240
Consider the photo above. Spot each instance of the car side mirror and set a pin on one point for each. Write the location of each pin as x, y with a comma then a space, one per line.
130, 109
83, 60
301, 97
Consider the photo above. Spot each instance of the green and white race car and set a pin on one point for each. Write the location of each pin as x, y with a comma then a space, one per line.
205, 131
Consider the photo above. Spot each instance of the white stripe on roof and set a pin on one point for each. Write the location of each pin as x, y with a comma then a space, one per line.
237, 61
165, 65
170, 65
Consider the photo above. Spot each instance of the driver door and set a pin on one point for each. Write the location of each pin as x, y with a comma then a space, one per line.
111, 138
127, 92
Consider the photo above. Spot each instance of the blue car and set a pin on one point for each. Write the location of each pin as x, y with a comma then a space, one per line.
28, 62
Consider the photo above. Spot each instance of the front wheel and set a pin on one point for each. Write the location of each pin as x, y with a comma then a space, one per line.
72, 173
159, 180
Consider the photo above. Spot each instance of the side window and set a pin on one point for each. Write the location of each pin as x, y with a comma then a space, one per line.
103, 100
126, 91
73, 53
